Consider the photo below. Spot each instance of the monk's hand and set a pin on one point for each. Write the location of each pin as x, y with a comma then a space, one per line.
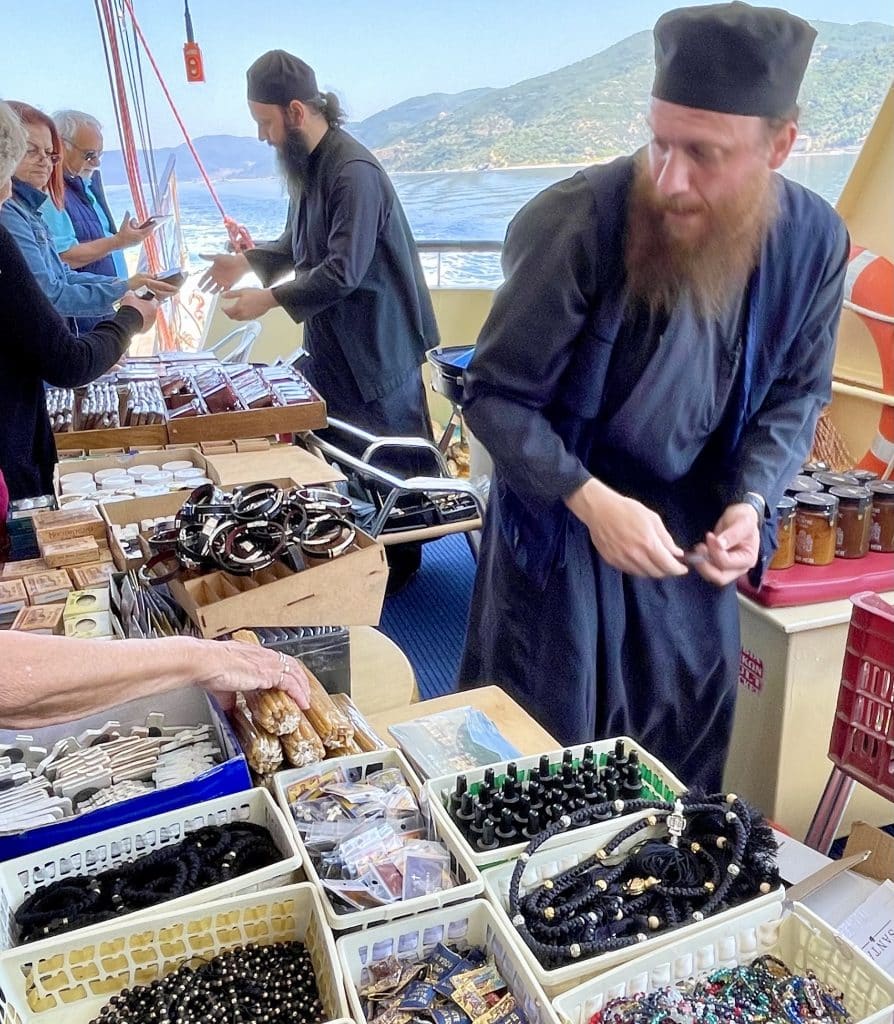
247, 303
626, 534
226, 270
733, 546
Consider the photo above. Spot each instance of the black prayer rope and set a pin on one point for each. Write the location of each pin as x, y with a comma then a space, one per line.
206, 857
716, 852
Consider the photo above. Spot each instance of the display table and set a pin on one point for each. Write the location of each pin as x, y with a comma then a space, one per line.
511, 719
382, 677
788, 689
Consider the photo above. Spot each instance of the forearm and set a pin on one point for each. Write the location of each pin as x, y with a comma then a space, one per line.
56, 679
89, 252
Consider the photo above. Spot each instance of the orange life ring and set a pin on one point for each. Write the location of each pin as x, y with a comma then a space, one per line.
869, 286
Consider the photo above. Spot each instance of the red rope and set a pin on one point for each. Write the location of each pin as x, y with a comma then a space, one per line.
239, 235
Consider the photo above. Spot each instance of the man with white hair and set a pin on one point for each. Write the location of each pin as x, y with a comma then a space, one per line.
84, 233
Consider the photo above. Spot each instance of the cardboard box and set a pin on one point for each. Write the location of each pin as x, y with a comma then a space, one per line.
19, 570
347, 591
74, 551
280, 462
48, 587
880, 864
114, 461
61, 524
96, 574
46, 619
86, 602
121, 513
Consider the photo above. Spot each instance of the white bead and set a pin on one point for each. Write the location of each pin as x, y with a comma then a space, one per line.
524, 857
574, 950
698, 916
618, 806
731, 798
565, 821
733, 870
642, 937
731, 816
765, 887
518, 920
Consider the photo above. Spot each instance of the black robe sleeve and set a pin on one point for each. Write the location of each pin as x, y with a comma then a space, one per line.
549, 264
777, 439
38, 340
356, 211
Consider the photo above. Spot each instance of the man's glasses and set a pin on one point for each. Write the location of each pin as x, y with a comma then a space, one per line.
36, 153
93, 156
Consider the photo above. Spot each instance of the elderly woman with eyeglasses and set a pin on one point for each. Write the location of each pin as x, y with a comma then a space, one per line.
36, 344
37, 180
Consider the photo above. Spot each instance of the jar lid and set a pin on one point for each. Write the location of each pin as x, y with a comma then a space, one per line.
864, 476
803, 483
817, 501
883, 489
809, 468
852, 495
830, 480
785, 503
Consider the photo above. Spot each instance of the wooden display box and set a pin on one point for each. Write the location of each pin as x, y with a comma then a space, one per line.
112, 437
120, 513
347, 591
288, 419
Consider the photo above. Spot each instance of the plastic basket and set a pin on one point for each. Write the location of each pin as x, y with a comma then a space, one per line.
21, 877
862, 741
468, 878
67, 981
663, 783
545, 865
470, 924
800, 939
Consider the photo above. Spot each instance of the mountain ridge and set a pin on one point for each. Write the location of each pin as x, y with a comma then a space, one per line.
590, 110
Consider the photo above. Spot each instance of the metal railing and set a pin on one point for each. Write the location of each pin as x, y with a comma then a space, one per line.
440, 248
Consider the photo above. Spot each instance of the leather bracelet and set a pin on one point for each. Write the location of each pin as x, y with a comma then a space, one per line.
328, 537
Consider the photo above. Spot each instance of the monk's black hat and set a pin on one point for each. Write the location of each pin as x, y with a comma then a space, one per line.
731, 58
279, 77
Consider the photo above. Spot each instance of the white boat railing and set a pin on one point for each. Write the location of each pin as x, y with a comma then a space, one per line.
463, 272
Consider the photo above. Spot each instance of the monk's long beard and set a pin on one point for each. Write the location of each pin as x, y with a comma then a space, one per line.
710, 271
292, 157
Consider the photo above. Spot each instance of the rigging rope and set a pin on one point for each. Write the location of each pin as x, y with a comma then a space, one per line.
239, 236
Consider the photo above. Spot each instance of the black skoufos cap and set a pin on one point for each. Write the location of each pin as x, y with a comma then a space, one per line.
279, 77
731, 58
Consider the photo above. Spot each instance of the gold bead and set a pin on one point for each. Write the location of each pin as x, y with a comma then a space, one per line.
721, 842
695, 847
601, 884
651, 820
731, 798
652, 881
709, 886
549, 913
548, 884
654, 922
601, 855
765, 887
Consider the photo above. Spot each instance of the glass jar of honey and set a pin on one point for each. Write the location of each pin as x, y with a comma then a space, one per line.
864, 477
816, 516
784, 558
829, 480
881, 533
854, 520
802, 483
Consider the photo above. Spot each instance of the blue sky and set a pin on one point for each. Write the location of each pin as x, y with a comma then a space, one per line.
373, 54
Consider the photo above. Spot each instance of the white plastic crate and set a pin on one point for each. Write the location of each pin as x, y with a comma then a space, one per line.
800, 939
658, 777
547, 864
468, 878
67, 981
90, 855
466, 925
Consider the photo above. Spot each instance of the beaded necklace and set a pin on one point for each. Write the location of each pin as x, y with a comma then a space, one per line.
610, 900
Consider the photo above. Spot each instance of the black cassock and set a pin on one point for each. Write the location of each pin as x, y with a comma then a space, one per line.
684, 416
359, 289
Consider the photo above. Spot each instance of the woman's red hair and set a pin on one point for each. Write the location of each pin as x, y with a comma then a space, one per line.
31, 115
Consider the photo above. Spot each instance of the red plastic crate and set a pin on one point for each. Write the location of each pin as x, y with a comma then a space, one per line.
862, 742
